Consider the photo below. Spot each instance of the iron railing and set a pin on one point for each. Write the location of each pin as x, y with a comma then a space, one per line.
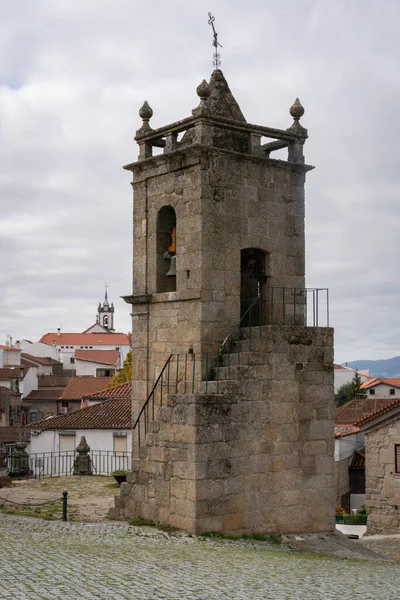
57, 464
192, 373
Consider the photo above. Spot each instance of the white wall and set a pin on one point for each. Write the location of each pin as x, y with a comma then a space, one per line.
67, 352
342, 376
85, 367
39, 349
346, 446
29, 382
11, 358
382, 391
98, 439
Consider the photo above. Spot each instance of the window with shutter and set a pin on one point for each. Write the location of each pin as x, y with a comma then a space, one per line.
67, 442
120, 445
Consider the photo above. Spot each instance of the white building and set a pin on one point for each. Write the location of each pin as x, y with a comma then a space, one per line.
98, 363
382, 388
344, 375
9, 356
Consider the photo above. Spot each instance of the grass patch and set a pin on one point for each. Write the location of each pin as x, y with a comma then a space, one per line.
140, 522
259, 537
51, 511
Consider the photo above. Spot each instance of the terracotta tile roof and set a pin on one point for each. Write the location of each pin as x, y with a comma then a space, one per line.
352, 411
111, 414
44, 394
343, 430
340, 367
377, 413
82, 386
45, 381
104, 357
86, 339
41, 360
3, 387
9, 348
12, 372
123, 390
377, 380
14, 434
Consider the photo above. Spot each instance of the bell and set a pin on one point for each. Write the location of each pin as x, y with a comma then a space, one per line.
172, 267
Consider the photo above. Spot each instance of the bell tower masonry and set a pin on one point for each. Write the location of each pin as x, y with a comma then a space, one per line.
232, 385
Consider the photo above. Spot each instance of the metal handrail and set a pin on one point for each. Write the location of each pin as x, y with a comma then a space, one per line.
159, 378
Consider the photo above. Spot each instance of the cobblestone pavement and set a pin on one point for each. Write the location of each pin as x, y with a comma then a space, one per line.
110, 561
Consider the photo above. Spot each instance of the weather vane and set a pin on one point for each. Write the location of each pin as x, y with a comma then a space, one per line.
216, 55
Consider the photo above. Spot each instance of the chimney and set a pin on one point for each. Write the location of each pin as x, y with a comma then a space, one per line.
58, 331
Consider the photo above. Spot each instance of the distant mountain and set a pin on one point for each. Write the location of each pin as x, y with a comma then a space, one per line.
378, 368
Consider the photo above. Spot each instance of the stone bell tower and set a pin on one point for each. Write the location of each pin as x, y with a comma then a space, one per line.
219, 247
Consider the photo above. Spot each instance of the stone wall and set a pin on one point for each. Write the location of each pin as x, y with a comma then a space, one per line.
382, 483
257, 458
342, 483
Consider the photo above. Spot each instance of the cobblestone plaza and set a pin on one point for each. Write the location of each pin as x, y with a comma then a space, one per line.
55, 560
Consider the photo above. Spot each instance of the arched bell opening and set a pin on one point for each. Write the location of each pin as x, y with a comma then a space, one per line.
254, 274
166, 250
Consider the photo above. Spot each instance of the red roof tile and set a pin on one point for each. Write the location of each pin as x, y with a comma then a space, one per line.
104, 357
44, 394
45, 381
86, 339
41, 360
340, 367
9, 435
377, 413
123, 390
12, 372
395, 382
343, 430
352, 411
111, 414
82, 386
9, 348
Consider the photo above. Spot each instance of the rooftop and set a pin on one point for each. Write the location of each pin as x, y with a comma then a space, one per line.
123, 390
78, 387
395, 382
48, 394
104, 357
9, 348
41, 360
14, 434
377, 413
86, 339
111, 414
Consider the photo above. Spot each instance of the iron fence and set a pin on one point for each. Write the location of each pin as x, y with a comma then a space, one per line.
57, 464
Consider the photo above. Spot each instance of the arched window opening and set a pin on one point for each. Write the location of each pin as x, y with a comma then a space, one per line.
105, 321
166, 250
254, 273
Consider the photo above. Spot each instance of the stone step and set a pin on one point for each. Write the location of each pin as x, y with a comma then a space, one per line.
244, 357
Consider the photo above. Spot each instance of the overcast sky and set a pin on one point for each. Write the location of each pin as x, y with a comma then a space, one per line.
73, 74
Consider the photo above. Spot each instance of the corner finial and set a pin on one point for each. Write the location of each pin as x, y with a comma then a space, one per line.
297, 111
145, 113
203, 90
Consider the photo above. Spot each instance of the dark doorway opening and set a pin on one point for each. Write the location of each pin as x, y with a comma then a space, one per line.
253, 278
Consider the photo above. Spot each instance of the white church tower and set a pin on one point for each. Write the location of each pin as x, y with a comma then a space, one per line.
106, 314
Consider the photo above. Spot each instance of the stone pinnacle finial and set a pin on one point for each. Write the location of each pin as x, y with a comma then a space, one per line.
145, 113
203, 90
296, 110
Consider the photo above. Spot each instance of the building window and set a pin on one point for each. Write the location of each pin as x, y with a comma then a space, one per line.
120, 444
372, 392
105, 372
392, 391
33, 417
72, 360
397, 458
67, 442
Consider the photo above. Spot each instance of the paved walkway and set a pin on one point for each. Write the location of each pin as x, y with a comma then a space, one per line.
75, 561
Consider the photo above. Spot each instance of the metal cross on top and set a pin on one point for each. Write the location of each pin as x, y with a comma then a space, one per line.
216, 55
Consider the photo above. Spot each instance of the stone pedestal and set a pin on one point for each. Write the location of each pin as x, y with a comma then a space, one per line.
83, 462
20, 460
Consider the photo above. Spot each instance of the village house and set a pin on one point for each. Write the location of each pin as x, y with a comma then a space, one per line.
343, 375
97, 363
382, 387
382, 468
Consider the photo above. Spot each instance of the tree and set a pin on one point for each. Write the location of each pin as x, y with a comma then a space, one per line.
350, 391
125, 373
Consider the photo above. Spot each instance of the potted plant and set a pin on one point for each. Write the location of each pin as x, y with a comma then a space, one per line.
119, 476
